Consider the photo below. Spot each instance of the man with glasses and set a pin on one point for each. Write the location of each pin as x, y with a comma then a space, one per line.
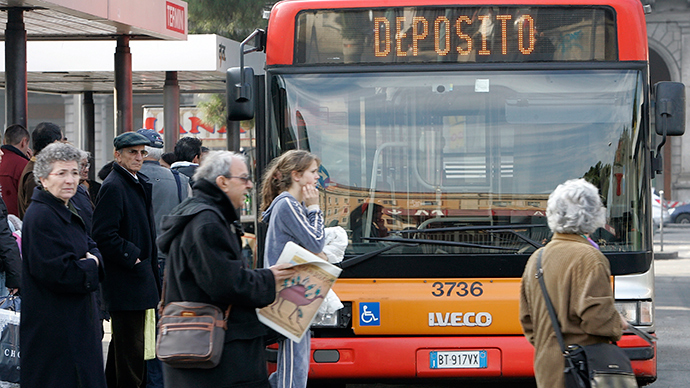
125, 231
205, 264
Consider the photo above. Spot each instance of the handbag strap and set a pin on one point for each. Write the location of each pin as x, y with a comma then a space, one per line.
554, 320
161, 304
549, 306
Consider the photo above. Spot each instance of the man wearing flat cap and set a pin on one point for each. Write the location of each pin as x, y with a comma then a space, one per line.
169, 189
125, 231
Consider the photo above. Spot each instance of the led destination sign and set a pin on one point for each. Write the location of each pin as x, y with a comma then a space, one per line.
455, 34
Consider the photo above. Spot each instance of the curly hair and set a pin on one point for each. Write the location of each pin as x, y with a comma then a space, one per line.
55, 152
575, 207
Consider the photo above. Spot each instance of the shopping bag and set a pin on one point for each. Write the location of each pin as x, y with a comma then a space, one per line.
9, 346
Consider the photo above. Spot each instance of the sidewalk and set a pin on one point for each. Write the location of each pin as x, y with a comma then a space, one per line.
676, 242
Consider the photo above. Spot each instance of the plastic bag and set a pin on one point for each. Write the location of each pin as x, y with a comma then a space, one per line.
9, 346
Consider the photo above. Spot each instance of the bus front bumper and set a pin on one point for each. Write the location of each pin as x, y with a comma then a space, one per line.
409, 357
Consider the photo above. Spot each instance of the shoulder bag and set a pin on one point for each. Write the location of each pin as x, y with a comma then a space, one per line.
603, 365
190, 334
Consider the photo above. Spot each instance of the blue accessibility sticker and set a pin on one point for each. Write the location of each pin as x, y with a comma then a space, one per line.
369, 314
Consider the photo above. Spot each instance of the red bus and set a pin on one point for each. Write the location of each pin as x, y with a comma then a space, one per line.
442, 127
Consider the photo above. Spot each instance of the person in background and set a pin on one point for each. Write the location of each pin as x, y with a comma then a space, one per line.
202, 240
169, 189
578, 281
82, 198
10, 257
358, 218
105, 170
60, 333
167, 159
290, 205
125, 231
89, 184
204, 152
43, 135
17, 154
187, 155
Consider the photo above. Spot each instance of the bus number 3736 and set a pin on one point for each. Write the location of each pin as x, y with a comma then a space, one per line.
460, 289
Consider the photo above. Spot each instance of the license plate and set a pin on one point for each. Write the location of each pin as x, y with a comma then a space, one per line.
458, 359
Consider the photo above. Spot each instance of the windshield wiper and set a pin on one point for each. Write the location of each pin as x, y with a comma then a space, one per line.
512, 229
366, 256
414, 241
441, 242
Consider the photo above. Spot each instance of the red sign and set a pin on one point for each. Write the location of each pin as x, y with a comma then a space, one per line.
175, 18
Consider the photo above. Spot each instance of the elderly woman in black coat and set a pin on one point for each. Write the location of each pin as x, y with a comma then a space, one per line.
60, 333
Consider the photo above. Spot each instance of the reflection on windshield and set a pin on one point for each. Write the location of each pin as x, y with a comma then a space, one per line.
446, 150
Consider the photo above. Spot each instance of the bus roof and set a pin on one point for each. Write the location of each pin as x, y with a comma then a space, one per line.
630, 20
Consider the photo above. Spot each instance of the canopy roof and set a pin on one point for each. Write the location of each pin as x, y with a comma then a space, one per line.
77, 66
100, 19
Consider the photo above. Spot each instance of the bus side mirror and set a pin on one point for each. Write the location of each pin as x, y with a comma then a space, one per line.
670, 108
239, 93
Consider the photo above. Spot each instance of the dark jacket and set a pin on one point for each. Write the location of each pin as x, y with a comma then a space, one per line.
10, 260
82, 201
60, 333
26, 188
205, 264
124, 229
11, 168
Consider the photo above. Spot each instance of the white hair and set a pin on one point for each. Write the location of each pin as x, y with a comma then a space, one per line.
575, 207
154, 153
215, 164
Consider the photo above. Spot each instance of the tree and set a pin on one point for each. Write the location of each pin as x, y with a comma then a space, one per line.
234, 19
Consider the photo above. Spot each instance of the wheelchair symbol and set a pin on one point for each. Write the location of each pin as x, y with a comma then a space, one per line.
369, 314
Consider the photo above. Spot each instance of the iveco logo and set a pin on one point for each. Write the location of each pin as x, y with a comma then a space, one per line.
460, 319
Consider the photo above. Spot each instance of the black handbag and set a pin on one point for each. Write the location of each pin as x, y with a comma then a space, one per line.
602, 365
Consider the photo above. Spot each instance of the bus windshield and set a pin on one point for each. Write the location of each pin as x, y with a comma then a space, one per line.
463, 162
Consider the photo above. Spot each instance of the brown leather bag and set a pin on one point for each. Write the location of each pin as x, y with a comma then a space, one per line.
191, 334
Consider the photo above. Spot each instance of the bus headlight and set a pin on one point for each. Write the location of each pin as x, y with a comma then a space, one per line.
639, 312
337, 320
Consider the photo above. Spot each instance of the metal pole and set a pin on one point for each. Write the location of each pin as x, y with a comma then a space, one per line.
89, 117
171, 110
16, 98
123, 86
661, 222
233, 135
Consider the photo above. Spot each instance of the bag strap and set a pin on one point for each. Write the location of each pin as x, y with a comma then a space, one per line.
549, 306
554, 320
176, 174
161, 304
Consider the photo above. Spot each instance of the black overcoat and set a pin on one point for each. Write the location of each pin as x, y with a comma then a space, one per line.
60, 330
125, 230
205, 264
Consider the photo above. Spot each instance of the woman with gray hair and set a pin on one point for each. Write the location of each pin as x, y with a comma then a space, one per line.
60, 272
578, 281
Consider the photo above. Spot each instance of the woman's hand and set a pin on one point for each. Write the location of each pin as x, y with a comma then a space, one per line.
282, 271
310, 195
624, 322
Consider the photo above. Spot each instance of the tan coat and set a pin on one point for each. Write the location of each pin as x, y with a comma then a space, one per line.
577, 279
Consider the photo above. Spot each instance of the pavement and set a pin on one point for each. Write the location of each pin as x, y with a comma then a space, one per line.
673, 242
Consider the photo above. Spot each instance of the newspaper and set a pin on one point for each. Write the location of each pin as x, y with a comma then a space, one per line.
299, 298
